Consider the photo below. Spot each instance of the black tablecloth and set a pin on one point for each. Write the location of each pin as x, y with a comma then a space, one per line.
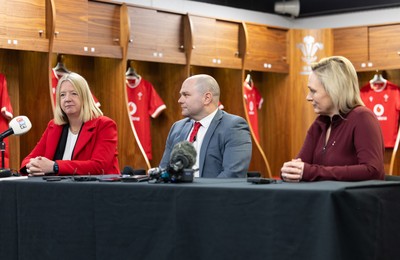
206, 219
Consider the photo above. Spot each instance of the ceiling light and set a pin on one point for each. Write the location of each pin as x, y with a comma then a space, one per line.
288, 7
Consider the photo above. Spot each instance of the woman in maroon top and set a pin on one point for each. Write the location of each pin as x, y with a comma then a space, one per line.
345, 141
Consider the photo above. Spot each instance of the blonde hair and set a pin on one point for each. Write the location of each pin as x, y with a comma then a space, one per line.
339, 78
89, 109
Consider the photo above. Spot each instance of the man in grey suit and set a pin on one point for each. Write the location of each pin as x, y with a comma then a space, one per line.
222, 142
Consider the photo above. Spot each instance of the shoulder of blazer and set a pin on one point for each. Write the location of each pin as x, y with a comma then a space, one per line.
53, 131
51, 126
98, 121
221, 115
181, 123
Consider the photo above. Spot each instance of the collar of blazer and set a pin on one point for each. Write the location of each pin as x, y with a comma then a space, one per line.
187, 126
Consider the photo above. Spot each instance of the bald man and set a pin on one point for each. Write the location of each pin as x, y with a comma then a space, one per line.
223, 141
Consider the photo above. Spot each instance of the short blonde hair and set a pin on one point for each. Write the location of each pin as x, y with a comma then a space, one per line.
339, 78
89, 109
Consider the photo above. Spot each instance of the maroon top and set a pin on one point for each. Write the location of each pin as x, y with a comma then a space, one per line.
354, 151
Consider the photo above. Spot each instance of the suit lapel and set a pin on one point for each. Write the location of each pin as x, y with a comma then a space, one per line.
207, 138
85, 136
54, 131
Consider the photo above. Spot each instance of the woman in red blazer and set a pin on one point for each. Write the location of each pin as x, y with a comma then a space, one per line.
79, 140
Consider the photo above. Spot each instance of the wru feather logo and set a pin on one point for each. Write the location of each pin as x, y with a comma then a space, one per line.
309, 48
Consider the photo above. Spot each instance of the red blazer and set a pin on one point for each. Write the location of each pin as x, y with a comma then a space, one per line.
95, 150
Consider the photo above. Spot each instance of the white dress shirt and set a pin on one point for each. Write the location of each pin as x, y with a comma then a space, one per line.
205, 123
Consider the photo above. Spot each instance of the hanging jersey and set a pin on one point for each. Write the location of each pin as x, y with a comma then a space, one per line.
143, 103
6, 115
253, 102
384, 101
55, 77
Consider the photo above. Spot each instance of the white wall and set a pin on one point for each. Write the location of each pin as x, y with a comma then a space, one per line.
382, 16
217, 11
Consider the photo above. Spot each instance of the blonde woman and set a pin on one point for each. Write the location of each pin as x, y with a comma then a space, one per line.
79, 140
345, 142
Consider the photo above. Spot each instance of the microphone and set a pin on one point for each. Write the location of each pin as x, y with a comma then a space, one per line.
179, 169
19, 125
183, 156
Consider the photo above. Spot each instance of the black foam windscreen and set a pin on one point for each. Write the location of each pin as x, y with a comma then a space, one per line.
183, 156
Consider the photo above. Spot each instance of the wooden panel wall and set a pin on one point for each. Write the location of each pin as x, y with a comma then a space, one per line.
301, 114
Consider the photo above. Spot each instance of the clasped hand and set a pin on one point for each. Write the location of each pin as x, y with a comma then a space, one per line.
39, 166
292, 171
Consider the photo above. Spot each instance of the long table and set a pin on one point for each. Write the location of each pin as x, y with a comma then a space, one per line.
207, 219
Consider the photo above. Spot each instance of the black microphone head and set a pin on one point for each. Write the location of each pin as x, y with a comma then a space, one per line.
183, 156
181, 161
128, 170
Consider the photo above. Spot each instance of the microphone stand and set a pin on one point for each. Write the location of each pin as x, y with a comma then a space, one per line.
3, 172
3, 150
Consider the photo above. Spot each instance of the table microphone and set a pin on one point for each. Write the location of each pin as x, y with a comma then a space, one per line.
18, 125
183, 156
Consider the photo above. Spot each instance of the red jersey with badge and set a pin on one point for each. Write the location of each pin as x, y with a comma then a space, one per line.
254, 101
384, 101
6, 116
143, 103
55, 77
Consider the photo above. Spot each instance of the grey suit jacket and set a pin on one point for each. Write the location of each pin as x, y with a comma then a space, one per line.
226, 148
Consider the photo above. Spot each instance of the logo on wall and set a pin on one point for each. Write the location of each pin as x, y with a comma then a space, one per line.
308, 48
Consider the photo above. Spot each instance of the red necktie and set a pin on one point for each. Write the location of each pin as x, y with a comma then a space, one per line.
196, 127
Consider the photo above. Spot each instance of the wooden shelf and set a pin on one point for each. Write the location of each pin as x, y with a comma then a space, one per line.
156, 36
23, 25
369, 48
266, 49
215, 43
